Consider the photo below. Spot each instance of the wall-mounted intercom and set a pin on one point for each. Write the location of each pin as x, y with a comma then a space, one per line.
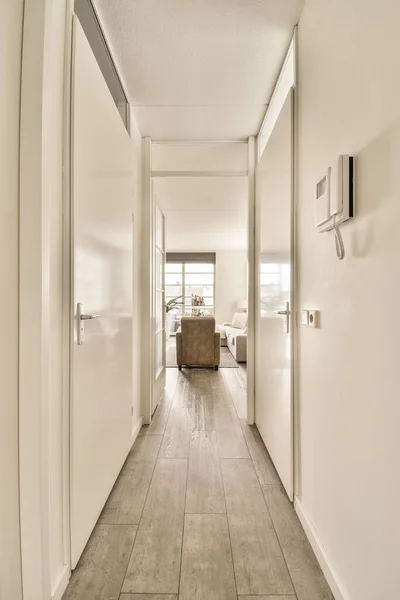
323, 199
335, 194
334, 200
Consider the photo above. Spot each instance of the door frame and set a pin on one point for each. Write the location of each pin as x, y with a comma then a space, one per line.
149, 175
292, 320
67, 267
158, 381
288, 78
146, 383
251, 283
35, 326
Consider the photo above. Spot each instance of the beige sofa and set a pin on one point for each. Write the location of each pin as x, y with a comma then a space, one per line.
198, 344
236, 336
236, 340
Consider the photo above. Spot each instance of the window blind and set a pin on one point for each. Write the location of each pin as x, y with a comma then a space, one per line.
191, 257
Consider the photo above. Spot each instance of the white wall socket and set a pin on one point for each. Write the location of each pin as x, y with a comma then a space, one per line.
313, 318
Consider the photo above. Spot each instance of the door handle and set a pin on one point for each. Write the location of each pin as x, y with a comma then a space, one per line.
287, 315
81, 317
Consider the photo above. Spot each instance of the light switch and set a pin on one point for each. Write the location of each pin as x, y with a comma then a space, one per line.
304, 317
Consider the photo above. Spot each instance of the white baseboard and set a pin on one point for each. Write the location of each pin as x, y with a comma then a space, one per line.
62, 584
136, 429
320, 553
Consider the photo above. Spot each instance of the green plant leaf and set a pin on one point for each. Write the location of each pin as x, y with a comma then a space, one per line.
173, 303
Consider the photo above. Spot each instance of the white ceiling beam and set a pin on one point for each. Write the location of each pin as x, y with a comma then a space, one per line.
199, 174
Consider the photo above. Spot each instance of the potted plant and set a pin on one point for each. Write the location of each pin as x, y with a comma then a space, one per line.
169, 307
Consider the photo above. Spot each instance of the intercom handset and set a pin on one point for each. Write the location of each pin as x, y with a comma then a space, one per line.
334, 203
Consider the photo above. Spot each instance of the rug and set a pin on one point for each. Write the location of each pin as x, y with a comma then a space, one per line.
227, 360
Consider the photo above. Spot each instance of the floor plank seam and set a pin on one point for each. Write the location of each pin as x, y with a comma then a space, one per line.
229, 529
279, 542
183, 526
118, 524
242, 426
137, 530
140, 519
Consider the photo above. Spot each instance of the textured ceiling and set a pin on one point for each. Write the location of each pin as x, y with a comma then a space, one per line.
198, 69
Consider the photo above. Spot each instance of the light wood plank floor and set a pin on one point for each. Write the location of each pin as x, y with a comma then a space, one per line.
198, 511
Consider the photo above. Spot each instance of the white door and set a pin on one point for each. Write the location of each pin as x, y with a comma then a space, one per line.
101, 345
159, 350
274, 322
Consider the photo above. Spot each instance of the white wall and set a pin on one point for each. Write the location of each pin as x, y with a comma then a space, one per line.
206, 213
10, 72
349, 102
230, 283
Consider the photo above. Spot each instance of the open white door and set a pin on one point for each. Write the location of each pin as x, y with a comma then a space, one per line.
274, 323
159, 354
101, 344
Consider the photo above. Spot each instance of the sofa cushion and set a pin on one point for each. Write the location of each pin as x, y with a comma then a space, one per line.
239, 320
232, 332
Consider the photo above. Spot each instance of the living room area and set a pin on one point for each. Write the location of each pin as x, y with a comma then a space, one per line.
206, 244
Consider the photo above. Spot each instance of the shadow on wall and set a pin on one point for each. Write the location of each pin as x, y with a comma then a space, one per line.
377, 171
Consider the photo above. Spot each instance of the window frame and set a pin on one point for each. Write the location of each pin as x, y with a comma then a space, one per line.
185, 260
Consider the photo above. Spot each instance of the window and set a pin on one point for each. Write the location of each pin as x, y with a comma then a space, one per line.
191, 277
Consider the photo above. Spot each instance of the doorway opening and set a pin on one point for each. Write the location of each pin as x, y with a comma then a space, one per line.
206, 270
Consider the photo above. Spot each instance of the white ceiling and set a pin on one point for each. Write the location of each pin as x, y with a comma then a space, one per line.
199, 69
204, 214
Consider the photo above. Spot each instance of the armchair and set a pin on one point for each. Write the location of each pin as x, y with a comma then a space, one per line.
198, 344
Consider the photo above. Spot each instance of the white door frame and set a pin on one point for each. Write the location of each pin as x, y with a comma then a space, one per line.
291, 318
35, 326
251, 283
287, 79
158, 382
67, 323
146, 384
149, 173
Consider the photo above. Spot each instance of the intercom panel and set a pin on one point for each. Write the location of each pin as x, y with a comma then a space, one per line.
335, 194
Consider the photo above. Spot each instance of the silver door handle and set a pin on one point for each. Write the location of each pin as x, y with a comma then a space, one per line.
81, 317
286, 313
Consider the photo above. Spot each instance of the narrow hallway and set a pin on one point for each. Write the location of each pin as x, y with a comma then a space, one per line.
198, 512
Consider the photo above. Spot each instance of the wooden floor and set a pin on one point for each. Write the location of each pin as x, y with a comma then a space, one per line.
198, 512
